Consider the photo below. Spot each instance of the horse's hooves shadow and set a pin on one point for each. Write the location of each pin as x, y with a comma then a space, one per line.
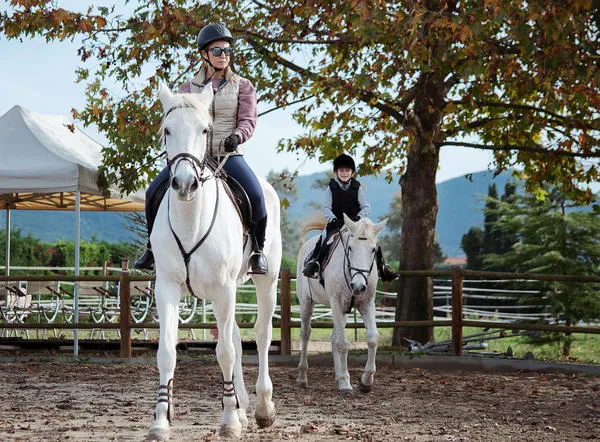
157, 436
265, 422
363, 387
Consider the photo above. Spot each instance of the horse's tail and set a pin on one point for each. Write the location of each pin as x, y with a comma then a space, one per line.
316, 222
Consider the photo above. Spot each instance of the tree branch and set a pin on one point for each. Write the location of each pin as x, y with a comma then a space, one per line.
526, 107
285, 105
533, 149
338, 41
363, 95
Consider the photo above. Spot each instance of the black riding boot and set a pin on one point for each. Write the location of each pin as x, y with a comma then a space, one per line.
154, 197
312, 266
257, 264
146, 261
386, 273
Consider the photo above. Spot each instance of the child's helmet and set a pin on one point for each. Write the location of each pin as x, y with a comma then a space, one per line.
344, 161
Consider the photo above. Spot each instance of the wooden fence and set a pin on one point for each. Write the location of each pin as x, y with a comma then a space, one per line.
458, 321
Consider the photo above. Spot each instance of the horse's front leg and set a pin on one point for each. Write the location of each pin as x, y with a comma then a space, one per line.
339, 350
266, 294
224, 310
306, 311
167, 303
365, 383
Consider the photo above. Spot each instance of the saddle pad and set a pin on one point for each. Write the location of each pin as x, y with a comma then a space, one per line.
331, 244
240, 200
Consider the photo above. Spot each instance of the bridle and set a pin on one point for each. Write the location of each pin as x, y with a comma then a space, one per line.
351, 270
199, 167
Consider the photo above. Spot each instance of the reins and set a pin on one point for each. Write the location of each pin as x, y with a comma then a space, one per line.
199, 167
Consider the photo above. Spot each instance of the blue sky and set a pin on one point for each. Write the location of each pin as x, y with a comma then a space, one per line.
40, 77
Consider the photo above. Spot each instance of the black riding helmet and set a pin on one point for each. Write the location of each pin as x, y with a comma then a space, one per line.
213, 32
344, 161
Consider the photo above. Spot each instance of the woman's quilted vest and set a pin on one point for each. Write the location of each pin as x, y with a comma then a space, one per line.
223, 111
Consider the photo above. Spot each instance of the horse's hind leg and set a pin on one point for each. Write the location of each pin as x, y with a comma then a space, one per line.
365, 383
224, 310
167, 302
306, 311
266, 294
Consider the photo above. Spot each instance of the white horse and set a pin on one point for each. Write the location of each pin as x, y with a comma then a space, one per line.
198, 244
349, 280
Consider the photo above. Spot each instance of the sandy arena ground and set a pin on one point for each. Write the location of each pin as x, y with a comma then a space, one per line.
52, 401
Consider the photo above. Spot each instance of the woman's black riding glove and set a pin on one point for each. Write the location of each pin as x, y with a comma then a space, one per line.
231, 143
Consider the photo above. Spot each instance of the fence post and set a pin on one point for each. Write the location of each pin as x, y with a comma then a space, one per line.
125, 310
457, 311
286, 311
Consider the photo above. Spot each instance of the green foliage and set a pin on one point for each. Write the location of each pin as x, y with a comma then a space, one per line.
554, 237
31, 252
506, 89
494, 238
472, 245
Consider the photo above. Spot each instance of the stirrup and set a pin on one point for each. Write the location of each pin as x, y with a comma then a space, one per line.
257, 268
146, 261
313, 275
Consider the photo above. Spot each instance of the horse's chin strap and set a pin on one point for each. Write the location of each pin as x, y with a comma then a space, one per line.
188, 255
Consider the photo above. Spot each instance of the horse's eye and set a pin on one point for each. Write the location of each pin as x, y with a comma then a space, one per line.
167, 131
349, 249
205, 131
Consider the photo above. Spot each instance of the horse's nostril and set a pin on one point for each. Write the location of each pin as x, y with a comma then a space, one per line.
175, 183
194, 185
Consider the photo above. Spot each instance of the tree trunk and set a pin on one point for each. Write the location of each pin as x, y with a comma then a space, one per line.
419, 212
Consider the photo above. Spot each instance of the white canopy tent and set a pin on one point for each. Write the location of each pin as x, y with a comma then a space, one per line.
46, 163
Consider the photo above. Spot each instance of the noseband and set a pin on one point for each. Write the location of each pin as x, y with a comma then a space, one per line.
353, 271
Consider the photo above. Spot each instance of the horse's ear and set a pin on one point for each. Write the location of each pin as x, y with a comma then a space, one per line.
348, 222
164, 95
379, 226
207, 94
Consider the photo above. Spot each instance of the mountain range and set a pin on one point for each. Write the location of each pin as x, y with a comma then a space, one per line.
460, 207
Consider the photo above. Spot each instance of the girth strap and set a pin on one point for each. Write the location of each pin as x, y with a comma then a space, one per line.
188, 255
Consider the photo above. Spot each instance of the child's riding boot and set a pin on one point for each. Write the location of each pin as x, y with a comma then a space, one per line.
257, 262
385, 271
312, 266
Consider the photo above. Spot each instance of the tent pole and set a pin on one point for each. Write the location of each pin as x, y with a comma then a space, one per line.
7, 262
76, 289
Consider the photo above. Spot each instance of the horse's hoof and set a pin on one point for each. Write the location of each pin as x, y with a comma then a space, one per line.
157, 435
302, 384
264, 422
364, 388
243, 418
346, 392
230, 432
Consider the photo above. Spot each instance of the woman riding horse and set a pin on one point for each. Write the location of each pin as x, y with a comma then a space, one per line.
234, 118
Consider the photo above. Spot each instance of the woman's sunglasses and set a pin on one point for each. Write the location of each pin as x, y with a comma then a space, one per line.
217, 52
